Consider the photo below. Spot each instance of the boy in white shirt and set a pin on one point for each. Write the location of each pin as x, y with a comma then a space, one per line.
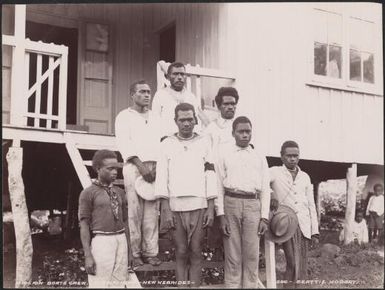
359, 232
375, 211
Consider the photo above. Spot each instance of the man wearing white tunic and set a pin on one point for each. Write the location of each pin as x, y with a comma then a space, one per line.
243, 205
186, 185
220, 129
138, 139
292, 187
166, 99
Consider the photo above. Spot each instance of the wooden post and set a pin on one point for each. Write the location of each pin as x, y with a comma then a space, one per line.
24, 248
18, 101
271, 278
351, 196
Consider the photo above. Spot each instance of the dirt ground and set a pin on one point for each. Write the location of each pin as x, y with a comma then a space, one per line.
57, 265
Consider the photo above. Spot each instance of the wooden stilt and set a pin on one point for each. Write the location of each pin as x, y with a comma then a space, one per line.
24, 249
69, 215
351, 195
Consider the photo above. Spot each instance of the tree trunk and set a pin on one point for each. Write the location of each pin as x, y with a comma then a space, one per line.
351, 196
24, 248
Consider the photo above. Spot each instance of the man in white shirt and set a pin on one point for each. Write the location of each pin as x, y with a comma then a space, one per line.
186, 185
375, 211
220, 129
166, 99
359, 231
243, 205
138, 140
292, 187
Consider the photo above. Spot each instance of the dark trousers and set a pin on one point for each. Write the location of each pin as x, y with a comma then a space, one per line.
188, 236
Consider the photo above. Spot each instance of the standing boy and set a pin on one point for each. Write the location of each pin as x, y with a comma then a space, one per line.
359, 230
103, 225
243, 205
291, 187
375, 211
186, 185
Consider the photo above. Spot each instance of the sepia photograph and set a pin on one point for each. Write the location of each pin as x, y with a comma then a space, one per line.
193, 145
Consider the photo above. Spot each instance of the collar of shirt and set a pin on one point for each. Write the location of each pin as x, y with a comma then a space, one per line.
288, 174
222, 123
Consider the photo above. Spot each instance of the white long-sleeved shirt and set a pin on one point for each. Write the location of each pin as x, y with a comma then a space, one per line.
164, 103
376, 204
298, 195
242, 169
137, 134
359, 231
181, 176
220, 132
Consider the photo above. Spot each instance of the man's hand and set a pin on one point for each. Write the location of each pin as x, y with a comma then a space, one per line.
314, 240
90, 265
169, 219
263, 226
274, 204
208, 218
224, 225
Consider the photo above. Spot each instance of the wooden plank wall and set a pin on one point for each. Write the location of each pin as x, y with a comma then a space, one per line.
272, 70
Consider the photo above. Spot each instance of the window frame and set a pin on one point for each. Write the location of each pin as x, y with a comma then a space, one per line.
344, 83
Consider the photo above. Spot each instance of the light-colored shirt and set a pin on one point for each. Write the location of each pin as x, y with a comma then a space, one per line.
243, 169
220, 132
181, 172
359, 231
376, 204
298, 195
137, 134
164, 103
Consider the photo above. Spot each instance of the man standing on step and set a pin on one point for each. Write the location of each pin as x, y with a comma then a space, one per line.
291, 187
166, 99
220, 129
103, 226
243, 205
138, 139
186, 185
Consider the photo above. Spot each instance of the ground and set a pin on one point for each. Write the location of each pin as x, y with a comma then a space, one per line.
60, 264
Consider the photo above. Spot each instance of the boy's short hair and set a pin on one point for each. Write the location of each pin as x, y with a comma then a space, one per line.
184, 107
100, 155
241, 120
288, 144
378, 185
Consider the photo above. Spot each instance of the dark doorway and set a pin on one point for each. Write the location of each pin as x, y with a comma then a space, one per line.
167, 41
68, 37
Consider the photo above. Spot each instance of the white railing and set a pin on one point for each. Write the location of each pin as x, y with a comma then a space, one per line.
50, 105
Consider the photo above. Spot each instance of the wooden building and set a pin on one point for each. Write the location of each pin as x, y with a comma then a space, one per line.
310, 72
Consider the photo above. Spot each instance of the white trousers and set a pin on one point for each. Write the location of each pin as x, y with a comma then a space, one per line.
142, 217
111, 258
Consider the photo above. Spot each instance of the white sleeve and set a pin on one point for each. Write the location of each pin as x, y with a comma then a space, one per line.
312, 209
162, 176
265, 192
124, 141
220, 173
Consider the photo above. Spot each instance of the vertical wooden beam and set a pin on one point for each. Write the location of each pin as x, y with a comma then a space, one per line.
63, 91
17, 85
351, 196
271, 278
24, 249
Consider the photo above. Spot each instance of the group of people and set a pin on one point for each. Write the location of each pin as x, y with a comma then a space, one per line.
363, 232
192, 173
